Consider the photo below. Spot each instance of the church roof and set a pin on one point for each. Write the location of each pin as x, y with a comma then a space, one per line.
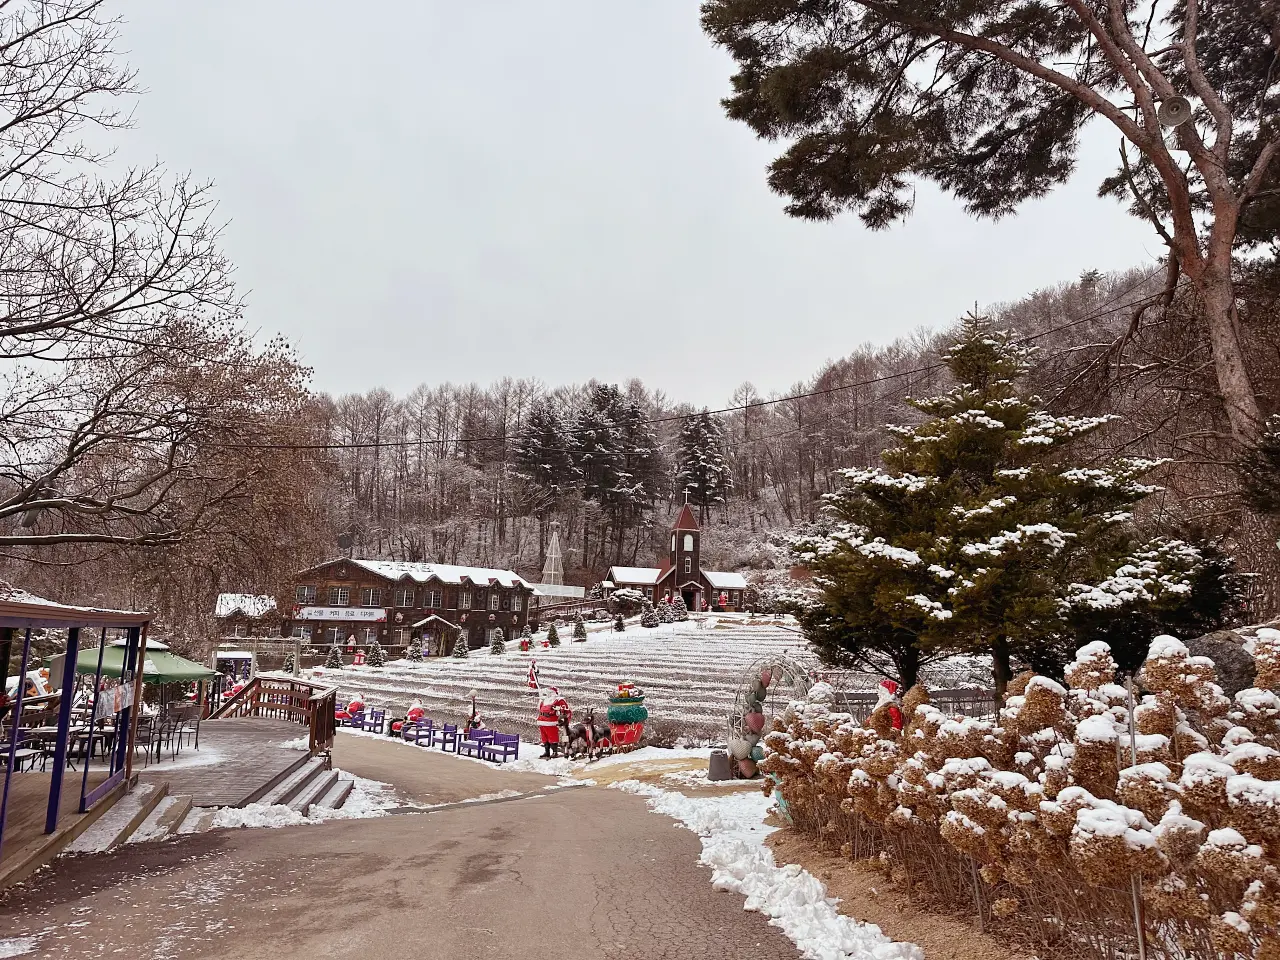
685, 521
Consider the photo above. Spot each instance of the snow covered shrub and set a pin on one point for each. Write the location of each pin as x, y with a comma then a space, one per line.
665, 613
497, 645
1050, 808
334, 660
679, 610
414, 652
461, 649
579, 628
288, 663
376, 657
649, 616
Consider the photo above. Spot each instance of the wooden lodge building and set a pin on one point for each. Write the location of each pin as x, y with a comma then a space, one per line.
354, 602
681, 573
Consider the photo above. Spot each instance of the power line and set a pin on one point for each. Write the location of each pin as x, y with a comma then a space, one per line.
1098, 313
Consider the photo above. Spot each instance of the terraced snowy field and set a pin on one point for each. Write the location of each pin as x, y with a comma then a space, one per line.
690, 675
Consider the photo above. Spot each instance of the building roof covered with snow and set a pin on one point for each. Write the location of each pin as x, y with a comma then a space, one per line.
443, 572
681, 572
249, 604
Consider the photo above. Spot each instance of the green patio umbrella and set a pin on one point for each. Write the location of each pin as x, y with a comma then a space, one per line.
160, 665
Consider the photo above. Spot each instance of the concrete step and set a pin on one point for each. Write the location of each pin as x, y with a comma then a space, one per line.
118, 824
197, 820
335, 797
257, 795
313, 791
289, 787
162, 822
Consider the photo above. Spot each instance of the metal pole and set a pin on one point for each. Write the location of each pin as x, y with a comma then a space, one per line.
64, 730
13, 737
93, 720
141, 663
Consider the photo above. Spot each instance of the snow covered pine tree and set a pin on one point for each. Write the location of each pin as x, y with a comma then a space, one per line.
460, 647
679, 611
334, 660
376, 657
665, 613
553, 635
649, 616
702, 470
415, 650
579, 628
497, 645
288, 664
981, 530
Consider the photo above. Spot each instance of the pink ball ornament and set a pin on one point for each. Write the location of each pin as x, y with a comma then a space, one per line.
766, 676
754, 722
747, 768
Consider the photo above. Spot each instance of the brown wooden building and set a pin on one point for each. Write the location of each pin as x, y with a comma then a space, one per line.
354, 602
246, 615
681, 573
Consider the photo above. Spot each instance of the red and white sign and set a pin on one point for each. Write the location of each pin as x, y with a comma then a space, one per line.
363, 614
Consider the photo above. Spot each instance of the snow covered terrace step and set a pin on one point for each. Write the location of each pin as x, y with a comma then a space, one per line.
118, 824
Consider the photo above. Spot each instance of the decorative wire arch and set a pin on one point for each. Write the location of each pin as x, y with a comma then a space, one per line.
767, 686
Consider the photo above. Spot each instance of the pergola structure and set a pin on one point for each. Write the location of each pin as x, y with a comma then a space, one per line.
20, 614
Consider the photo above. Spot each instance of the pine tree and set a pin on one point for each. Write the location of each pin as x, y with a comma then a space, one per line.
542, 452
497, 645
288, 663
701, 468
975, 535
460, 648
665, 613
649, 616
679, 610
415, 650
334, 660
619, 625
376, 657
553, 635
579, 628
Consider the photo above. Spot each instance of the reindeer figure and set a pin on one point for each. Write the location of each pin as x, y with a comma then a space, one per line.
587, 737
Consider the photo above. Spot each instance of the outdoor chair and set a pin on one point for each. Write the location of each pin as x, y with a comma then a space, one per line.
415, 731
503, 747
474, 740
375, 720
446, 738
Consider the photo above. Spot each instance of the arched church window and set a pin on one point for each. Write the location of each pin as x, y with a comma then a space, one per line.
688, 542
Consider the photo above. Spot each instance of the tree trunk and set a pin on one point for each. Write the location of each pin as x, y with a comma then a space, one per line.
1238, 396
1002, 669
908, 663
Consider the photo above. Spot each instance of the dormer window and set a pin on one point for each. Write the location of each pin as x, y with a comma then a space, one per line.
688, 542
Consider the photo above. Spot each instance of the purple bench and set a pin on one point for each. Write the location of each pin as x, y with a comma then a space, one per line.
375, 720
446, 738
418, 730
503, 747
472, 742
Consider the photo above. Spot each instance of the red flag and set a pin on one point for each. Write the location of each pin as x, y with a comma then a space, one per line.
533, 674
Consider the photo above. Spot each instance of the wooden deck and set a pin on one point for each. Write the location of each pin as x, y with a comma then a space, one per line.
28, 804
249, 760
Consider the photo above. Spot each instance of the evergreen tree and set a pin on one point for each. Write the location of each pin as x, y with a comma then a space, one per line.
553, 635
701, 467
334, 660
649, 616
619, 625
415, 650
616, 458
288, 663
460, 648
526, 633
497, 645
1260, 471
679, 610
376, 657
665, 614
579, 628
975, 536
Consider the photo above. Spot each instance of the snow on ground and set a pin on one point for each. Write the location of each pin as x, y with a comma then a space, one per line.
368, 798
733, 831
17, 946
690, 674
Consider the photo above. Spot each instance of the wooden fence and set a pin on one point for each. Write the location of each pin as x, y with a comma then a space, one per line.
293, 701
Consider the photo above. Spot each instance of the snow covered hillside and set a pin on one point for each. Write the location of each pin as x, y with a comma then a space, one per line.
689, 674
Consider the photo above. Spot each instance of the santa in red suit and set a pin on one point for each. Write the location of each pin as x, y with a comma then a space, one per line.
888, 694
552, 708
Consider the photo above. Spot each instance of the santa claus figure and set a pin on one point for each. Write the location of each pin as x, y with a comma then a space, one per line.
888, 694
552, 709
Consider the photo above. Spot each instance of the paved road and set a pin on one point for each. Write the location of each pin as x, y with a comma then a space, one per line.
576, 873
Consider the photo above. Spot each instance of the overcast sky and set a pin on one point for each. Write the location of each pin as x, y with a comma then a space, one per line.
421, 191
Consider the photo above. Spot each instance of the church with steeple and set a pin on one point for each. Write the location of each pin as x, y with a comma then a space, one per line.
680, 572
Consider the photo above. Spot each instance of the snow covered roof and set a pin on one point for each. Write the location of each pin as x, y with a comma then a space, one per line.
634, 574
251, 605
725, 581
22, 609
446, 573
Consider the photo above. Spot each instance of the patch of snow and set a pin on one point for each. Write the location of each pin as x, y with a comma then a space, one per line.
17, 946
299, 743
733, 832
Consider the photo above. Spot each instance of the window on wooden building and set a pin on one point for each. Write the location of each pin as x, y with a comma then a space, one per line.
464, 600
331, 635
432, 599
493, 599
370, 597
302, 631
688, 564
339, 596
403, 598
517, 602
305, 595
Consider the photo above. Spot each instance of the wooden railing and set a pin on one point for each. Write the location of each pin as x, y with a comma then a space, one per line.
293, 701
